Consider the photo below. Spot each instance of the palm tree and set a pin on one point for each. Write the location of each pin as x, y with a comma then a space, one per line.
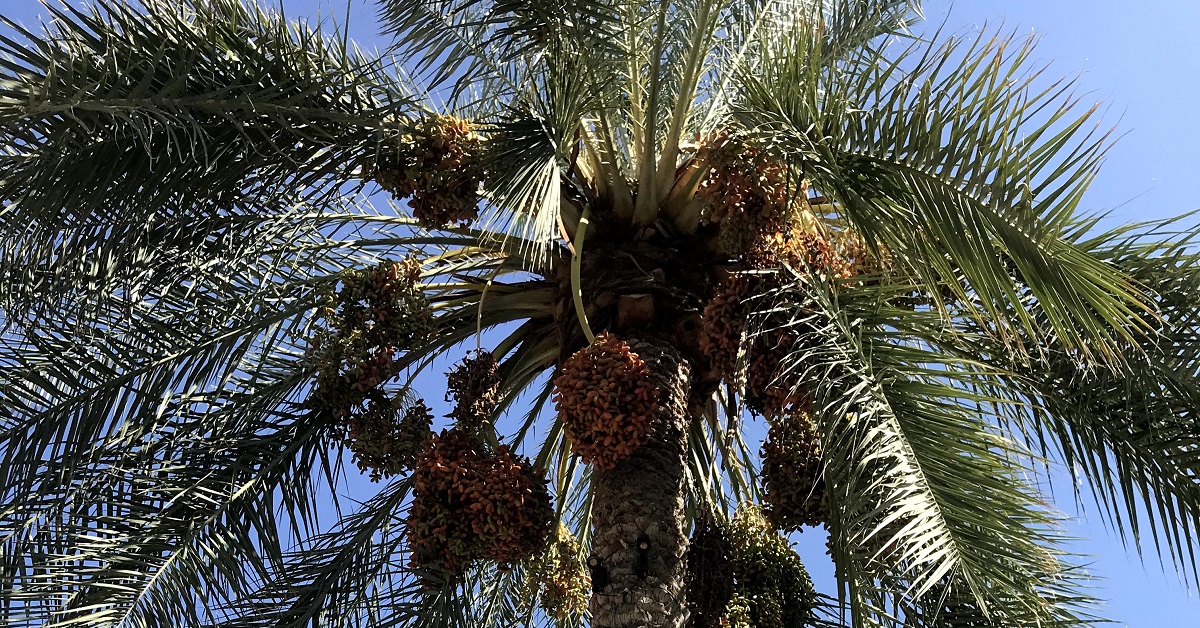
663, 219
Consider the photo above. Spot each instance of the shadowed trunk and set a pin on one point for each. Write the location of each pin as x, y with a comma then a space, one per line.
642, 500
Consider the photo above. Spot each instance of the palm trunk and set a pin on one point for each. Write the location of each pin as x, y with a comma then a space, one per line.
642, 499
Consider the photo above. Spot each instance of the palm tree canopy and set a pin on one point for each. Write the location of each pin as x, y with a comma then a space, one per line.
193, 250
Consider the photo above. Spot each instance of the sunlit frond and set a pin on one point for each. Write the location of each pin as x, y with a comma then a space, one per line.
952, 156
1130, 432
924, 489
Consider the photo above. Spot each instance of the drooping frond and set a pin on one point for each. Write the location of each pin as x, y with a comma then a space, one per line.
923, 489
148, 393
125, 475
1130, 432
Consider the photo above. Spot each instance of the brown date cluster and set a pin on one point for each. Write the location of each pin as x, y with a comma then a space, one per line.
557, 580
746, 192
470, 504
437, 168
723, 324
726, 342
606, 400
376, 314
766, 227
749, 199
792, 472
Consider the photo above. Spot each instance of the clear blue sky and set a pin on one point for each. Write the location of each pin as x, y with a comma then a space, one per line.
1142, 61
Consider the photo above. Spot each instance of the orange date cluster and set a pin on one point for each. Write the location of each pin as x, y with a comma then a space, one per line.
606, 400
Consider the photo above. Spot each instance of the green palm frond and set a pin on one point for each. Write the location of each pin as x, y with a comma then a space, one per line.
151, 436
333, 569
1130, 432
159, 140
218, 101
172, 377
949, 156
197, 378
150, 522
851, 26
488, 44
924, 488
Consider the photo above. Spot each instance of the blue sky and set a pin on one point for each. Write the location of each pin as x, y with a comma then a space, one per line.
1141, 61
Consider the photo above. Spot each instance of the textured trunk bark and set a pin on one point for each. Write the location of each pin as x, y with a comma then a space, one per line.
641, 500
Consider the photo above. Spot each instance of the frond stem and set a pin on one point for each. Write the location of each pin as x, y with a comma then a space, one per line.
576, 267
646, 203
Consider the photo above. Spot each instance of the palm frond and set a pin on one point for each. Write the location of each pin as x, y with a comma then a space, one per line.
952, 157
136, 140
487, 45
851, 25
923, 488
336, 569
152, 523
1130, 432
196, 383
